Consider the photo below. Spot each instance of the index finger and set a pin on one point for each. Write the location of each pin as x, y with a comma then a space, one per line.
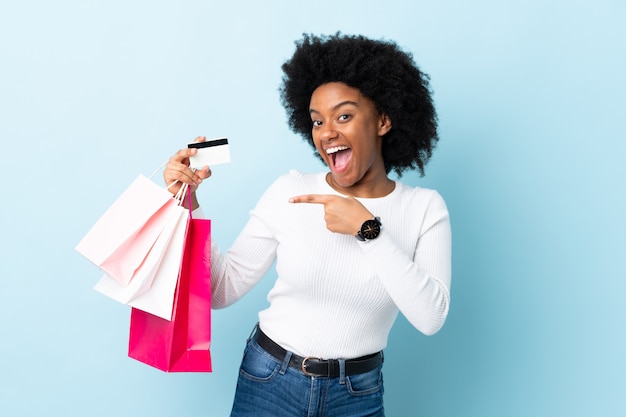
311, 198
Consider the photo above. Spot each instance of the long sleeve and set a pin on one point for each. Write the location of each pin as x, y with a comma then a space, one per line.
234, 273
243, 265
419, 285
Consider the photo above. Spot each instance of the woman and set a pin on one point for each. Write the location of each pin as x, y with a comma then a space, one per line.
352, 247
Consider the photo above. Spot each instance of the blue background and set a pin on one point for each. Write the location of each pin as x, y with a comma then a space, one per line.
531, 98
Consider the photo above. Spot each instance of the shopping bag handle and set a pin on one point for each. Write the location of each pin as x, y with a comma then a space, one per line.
184, 189
189, 201
161, 167
180, 195
158, 169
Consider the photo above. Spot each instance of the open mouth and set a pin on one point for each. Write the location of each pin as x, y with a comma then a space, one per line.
339, 157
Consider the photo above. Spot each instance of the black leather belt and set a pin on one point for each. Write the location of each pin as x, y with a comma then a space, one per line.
319, 367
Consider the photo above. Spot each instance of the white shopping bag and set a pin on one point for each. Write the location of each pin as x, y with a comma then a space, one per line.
121, 239
153, 286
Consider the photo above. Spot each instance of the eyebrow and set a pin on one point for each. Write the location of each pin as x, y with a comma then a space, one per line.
336, 106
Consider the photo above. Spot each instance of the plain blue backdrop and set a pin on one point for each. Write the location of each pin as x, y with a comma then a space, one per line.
531, 98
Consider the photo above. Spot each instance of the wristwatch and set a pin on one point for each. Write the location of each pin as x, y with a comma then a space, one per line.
370, 229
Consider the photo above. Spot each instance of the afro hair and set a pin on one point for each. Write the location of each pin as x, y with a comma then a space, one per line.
381, 71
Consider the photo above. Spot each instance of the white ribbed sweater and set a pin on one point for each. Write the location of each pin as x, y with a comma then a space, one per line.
336, 297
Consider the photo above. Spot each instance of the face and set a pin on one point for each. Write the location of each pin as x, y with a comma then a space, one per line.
347, 132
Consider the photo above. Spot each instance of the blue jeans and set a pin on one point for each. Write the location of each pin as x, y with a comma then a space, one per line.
270, 388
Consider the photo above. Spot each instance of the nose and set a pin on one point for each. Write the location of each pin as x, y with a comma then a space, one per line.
327, 132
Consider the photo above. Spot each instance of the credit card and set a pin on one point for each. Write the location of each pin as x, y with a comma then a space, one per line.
210, 152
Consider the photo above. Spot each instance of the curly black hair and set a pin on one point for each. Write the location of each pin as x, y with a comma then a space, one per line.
381, 71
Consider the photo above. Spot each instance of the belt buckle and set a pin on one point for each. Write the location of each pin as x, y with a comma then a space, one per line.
303, 367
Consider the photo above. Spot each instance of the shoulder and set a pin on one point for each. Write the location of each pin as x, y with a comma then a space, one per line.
427, 200
419, 193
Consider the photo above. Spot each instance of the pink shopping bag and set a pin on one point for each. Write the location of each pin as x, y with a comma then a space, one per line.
120, 240
183, 343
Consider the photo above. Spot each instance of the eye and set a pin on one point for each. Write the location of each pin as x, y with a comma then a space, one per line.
344, 117
316, 123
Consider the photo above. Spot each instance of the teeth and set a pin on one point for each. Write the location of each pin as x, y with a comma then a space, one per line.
336, 149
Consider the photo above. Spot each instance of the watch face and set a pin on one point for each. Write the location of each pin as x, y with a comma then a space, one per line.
370, 229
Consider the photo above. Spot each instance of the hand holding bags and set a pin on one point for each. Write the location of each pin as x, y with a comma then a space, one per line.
157, 259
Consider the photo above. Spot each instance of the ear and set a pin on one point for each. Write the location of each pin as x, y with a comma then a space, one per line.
384, 125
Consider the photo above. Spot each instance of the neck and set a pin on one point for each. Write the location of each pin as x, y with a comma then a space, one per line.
365, 188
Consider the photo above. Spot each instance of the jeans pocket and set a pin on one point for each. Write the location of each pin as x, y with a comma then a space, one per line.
366, 383
257, 365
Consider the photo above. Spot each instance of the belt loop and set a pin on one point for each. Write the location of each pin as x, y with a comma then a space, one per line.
253, 332
342, 371
285, 364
